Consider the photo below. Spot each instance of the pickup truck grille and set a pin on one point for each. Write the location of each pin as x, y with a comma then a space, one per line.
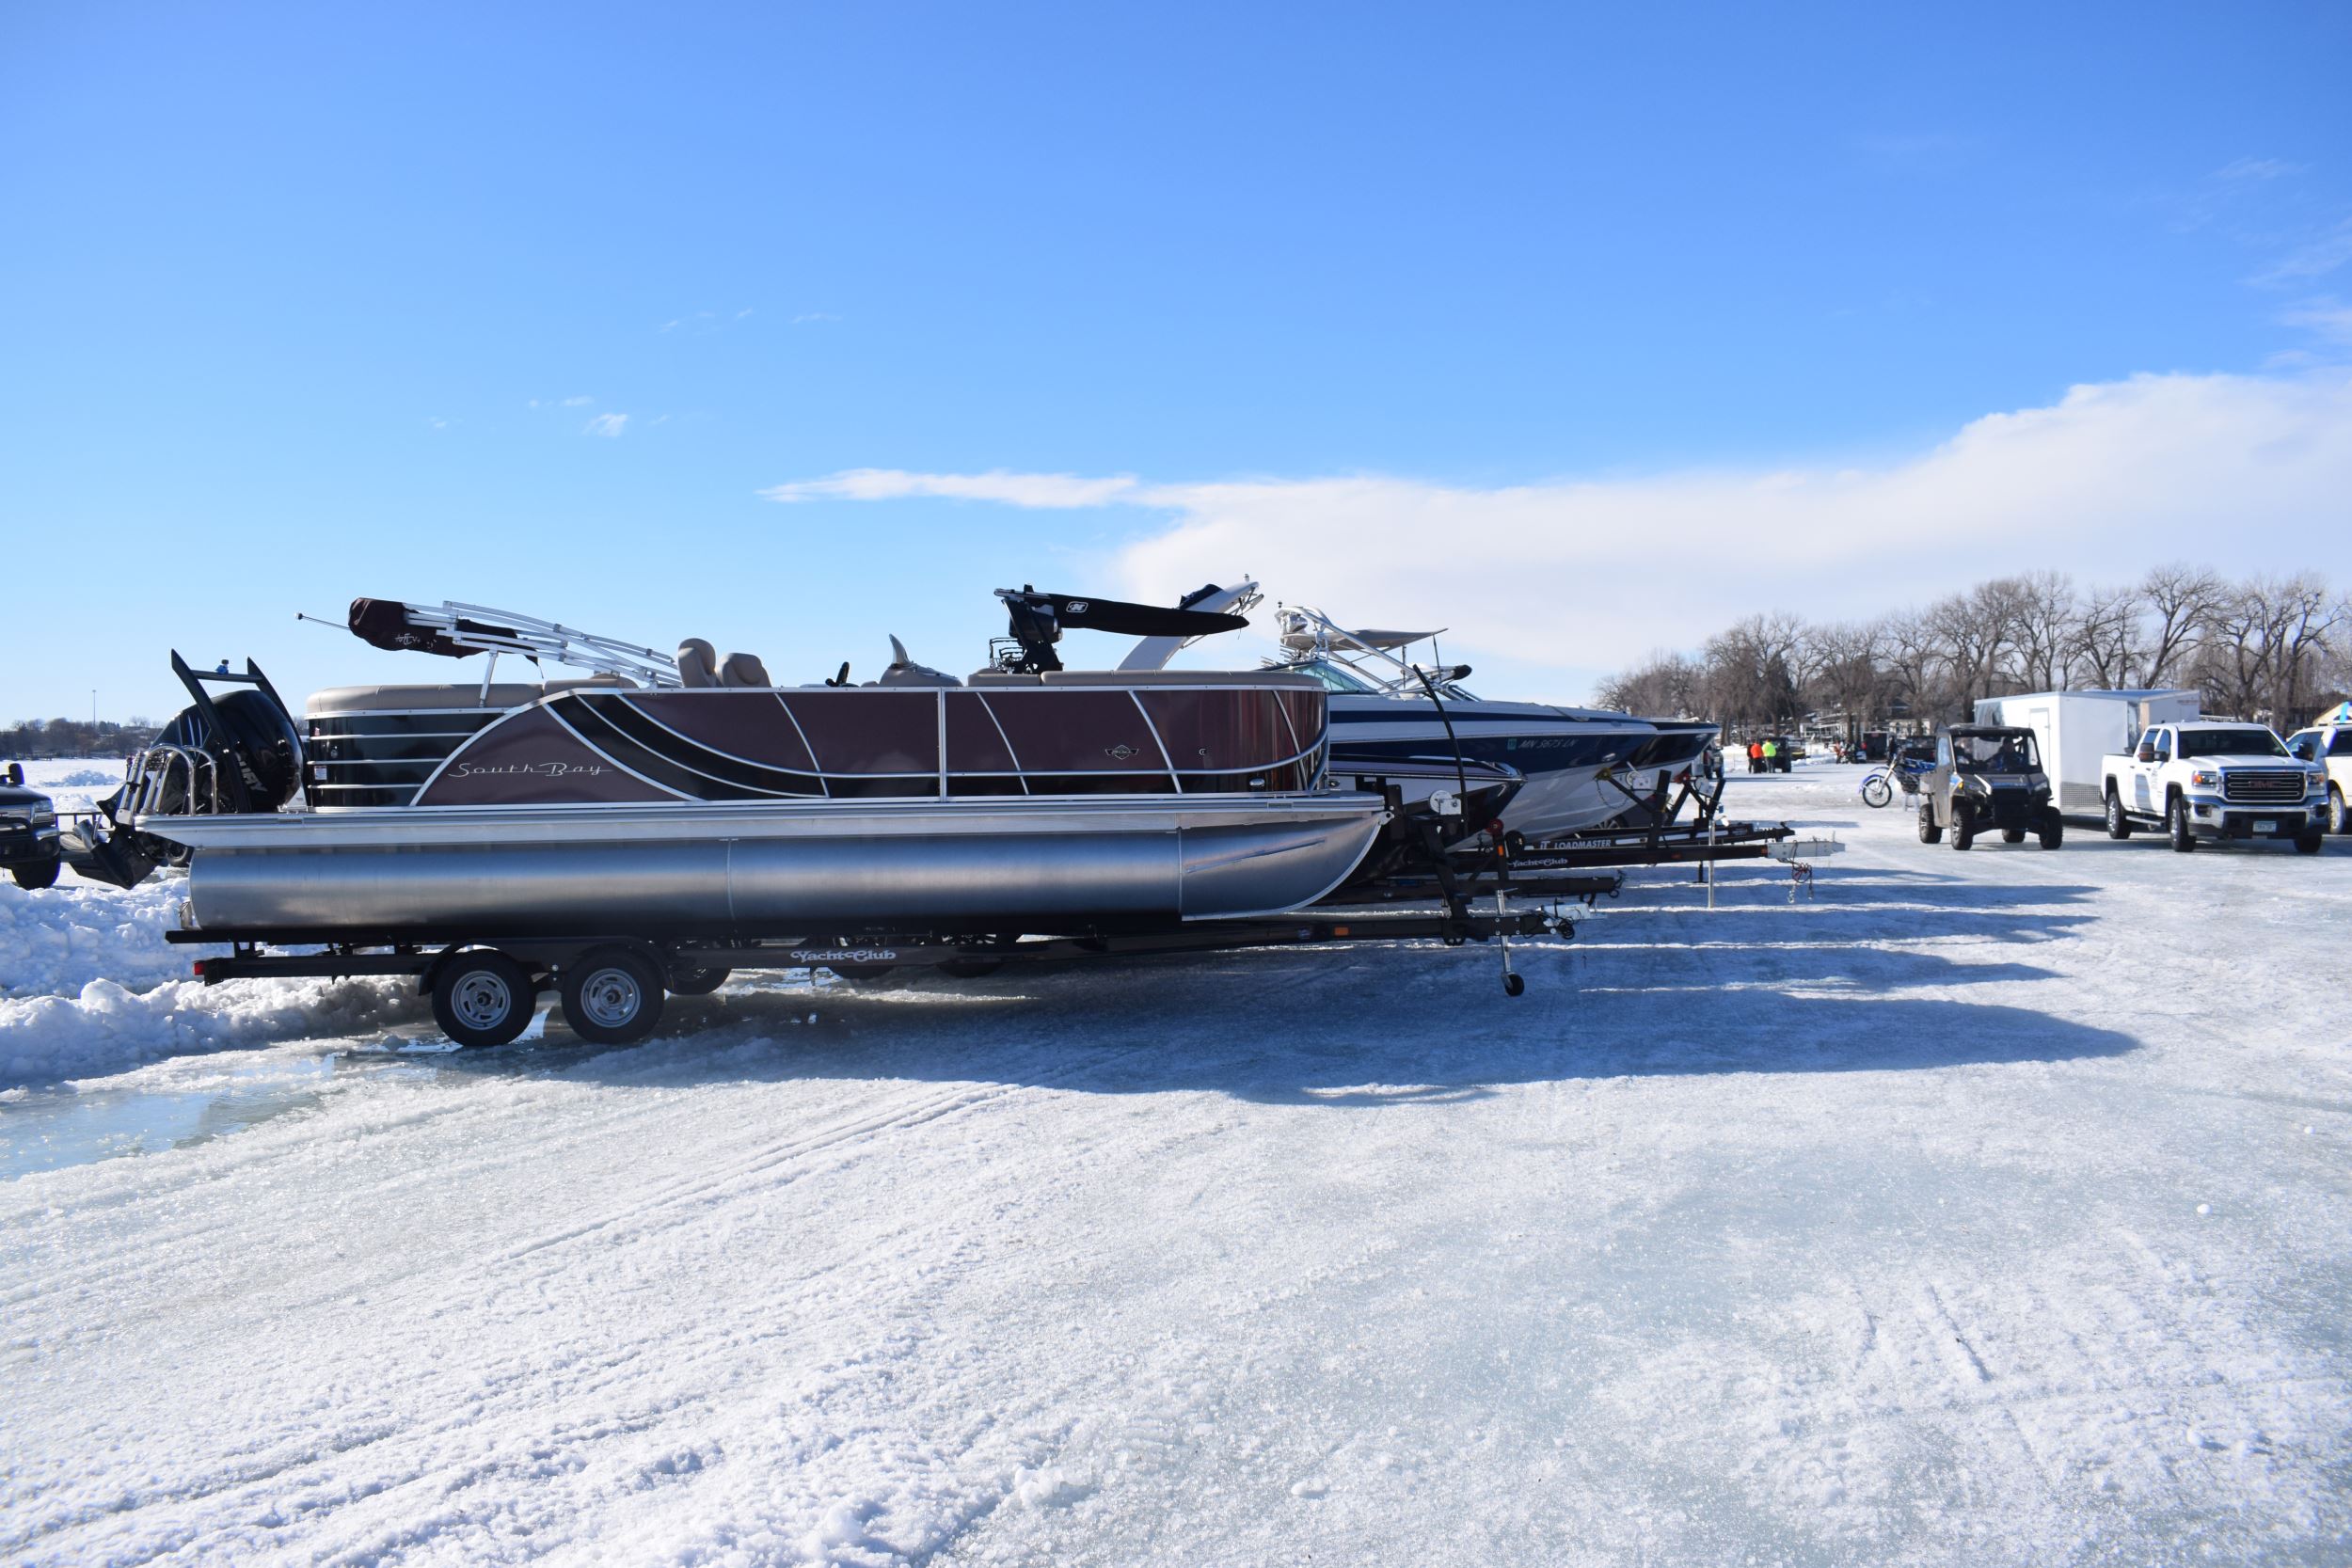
2267, 786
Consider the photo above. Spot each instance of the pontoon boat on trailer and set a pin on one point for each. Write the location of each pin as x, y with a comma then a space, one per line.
700, 799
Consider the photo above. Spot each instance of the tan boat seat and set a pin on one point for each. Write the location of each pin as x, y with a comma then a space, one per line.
744, 670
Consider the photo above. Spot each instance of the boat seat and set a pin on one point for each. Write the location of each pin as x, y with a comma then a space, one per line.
396, 699
744, 670
697, 663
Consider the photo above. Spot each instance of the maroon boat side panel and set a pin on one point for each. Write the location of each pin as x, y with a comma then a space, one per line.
864, 730
1075, 732
974, 743
531, 760
1224, 731
1309, 715
747, 724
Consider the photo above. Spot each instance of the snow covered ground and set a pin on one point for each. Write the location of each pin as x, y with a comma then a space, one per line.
1988, 1208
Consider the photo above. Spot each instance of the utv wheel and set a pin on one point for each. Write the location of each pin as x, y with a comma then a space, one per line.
1963, 832
2119, 825
2308, 841
2012, 835
2176, 829
611, 996
2053, 830
687, 980
2339, 821
43, 875
483, 998
1929, 832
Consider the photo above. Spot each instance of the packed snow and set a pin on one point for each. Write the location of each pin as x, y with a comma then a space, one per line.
1988, 1208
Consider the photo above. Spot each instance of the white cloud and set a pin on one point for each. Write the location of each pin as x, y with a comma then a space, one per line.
2257, 170
1569, 577
2326, 315
2314, 259
814, 316
577, 402
1049, 491
607, 425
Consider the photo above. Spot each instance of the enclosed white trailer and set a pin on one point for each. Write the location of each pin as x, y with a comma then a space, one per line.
2075, 730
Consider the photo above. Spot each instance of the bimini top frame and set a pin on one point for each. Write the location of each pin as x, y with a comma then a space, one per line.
458, 630
1307, 635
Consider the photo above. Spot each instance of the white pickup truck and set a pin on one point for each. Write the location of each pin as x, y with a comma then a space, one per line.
2216, 779
2329, 746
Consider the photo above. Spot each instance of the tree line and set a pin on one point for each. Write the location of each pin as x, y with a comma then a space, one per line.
75, 737
2275, 648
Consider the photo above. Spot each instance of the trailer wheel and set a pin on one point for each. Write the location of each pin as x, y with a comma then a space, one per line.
687, 981
483, 998
611, 996
43, 875
2176, 826
1514, 985
2119, 825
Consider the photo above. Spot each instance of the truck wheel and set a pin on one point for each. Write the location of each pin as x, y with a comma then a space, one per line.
2339, 821
1929, 832
2012, 835
43, 875
2119, 825
686, 980
2053, 830
2176, 828
2308, 841
483, 998
610, 996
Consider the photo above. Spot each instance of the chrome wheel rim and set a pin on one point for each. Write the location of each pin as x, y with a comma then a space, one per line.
481, 1000
610, 998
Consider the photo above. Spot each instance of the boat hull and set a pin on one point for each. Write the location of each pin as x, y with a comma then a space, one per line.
760, 869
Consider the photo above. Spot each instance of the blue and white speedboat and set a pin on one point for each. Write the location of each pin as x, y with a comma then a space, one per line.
1385, 709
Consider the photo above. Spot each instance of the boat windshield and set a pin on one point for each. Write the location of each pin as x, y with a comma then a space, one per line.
1334, 678
2248, 742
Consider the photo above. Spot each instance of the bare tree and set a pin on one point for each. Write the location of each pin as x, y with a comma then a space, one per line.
2106, 641
2182, 599
2044, 613
1668, 686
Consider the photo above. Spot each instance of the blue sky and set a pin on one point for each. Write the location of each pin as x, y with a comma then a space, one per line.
529, 306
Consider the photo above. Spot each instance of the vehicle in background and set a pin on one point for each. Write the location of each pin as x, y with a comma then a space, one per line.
28, 831
2327, 746
1903, 770
1988, 778
2077, 731
2215, 779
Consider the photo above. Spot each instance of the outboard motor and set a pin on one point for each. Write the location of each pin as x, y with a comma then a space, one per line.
239, 751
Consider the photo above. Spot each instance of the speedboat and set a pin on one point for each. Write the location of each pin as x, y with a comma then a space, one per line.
667, 798
1580, 768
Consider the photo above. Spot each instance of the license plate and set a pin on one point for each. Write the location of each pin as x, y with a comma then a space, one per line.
2269, 827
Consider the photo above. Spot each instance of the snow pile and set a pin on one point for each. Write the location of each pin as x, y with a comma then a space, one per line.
107, 1028
56, 940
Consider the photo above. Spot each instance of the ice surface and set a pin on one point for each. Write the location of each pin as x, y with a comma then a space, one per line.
1988, 1208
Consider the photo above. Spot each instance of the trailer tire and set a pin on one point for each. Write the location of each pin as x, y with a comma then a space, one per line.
43, 875
2119, 823
687, 980
483, 998
2176, 825
611, 996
